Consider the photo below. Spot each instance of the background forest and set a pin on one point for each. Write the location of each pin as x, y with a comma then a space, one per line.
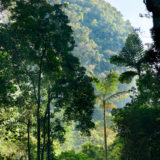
76, 82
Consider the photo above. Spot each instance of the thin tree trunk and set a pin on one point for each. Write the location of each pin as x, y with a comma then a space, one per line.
29, 149
49, 129
38, 110
38, 121
138, 70
39, 105
105, 131
44, 135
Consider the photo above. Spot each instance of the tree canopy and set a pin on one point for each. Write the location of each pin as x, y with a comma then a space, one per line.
39, 42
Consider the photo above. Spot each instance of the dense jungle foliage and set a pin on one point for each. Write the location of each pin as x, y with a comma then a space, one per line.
47, 97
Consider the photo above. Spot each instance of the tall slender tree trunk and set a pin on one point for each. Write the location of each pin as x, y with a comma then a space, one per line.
38, 125
44, 135
105, 131
139, 70
28, 145
38, 111
49, 129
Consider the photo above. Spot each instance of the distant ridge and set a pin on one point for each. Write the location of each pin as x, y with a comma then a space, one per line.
99, 31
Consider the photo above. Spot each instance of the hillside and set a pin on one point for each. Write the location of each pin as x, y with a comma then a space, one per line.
99, 31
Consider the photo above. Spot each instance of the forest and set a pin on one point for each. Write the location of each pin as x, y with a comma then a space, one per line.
77, 83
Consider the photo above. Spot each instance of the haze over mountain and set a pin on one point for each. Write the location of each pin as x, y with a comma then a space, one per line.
131, 10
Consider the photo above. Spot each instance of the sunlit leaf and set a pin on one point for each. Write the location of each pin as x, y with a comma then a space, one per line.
118, 96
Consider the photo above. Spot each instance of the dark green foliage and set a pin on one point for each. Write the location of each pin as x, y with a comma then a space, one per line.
139, 126
126, 77
78, 93
4, 4
7, 87
39, 41
138, 123
53, 35
148, 86
131, 56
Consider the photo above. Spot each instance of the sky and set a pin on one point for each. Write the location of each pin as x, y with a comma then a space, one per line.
130, 10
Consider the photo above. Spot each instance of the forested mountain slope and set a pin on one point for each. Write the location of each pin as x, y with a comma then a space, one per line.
99, 31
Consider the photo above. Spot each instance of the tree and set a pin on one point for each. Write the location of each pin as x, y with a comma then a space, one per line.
40, 41
106, 96
148, 88
131, 56
132, 132
7, 88
139, 141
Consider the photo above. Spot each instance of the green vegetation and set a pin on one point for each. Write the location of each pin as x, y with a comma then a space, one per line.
46, 75
99, 32
106, 96
87, 152
131, 56
71, 155
47, 96
138, 122
139, 126
95, 44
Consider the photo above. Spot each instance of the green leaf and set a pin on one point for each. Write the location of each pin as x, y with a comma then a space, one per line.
118, 96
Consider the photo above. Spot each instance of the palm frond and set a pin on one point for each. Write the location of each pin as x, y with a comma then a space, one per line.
111, 83
118, 96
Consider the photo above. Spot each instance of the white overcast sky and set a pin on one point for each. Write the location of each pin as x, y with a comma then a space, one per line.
130, 10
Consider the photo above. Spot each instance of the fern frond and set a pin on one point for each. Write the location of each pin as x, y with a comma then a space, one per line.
118, 96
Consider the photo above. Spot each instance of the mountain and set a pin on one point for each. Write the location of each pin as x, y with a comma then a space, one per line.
99, 31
